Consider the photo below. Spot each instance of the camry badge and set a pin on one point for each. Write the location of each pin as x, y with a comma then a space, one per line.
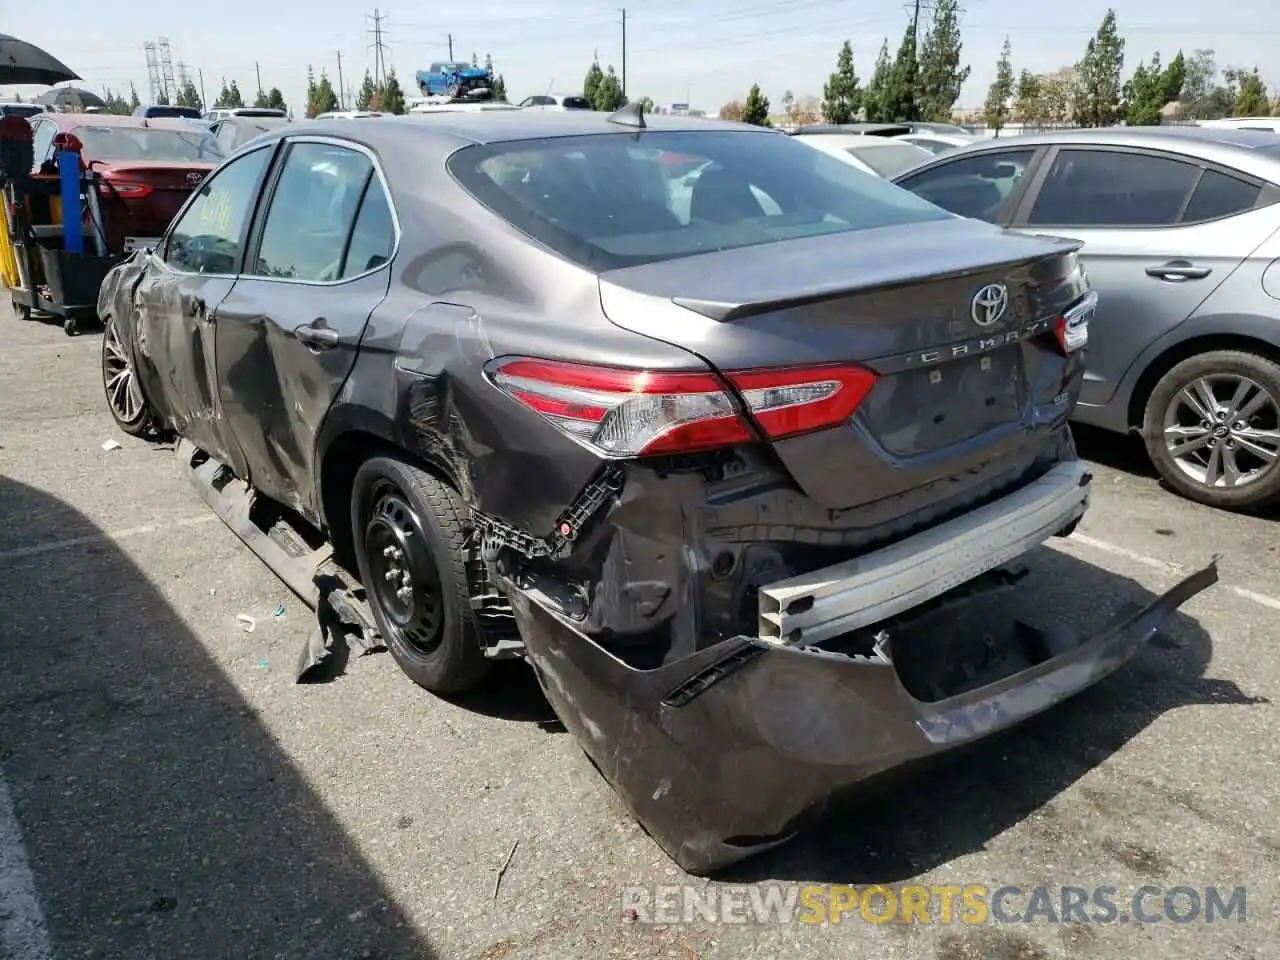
989, 304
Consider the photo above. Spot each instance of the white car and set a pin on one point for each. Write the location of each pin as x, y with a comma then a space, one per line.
938, 142
884, 156
222, 113
347, 114
556, 101
1243, 123
420, 105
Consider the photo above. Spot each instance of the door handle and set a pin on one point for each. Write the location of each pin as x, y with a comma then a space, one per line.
1176, 271
322, 338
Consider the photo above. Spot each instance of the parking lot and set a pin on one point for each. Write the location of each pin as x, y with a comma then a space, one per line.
171, 792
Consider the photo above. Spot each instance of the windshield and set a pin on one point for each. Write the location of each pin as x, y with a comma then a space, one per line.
149, 143
890, 160
164, 111
609, 201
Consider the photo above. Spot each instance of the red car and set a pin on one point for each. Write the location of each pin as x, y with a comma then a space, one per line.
148, 165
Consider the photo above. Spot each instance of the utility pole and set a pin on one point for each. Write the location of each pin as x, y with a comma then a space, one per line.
624, 50
342, 90
915, 30
450, 45
203, 99
258, 70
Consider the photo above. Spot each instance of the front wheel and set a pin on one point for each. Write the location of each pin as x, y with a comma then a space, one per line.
411, 550
120, 383
1212, 429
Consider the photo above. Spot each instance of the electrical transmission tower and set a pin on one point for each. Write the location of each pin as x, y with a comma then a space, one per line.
184, 76
166, 71
379, 46
153, 71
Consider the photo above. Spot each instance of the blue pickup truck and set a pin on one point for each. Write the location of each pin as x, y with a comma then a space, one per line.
453, 79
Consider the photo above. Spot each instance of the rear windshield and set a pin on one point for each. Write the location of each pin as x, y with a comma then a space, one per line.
610, 201
891, 160
576, 103
142, 143
163, 111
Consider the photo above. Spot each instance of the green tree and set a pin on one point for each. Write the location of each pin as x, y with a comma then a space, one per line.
900, 103
1029, 108
1173, 78
367, 92
260, 99
320, 95
134, 102
189, 96
996, 109
275, 100
873, 98
609, 96
841, 98
646, 105
392, 95
755, 109
1144, 95
1252, 100
236, 100
1098, 86
591, 83
941, 75
499, 87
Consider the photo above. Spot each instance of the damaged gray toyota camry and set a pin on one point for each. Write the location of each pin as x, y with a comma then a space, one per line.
696, 419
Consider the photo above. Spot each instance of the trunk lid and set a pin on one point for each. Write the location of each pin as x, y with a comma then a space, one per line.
167, 187
953, 394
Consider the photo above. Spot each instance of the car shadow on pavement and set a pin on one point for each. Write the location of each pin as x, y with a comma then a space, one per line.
160, 819
1120, 451
914, 823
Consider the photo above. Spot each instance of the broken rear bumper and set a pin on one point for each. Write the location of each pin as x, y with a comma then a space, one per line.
729, 751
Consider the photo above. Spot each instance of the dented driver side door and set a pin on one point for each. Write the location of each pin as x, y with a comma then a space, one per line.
177, 302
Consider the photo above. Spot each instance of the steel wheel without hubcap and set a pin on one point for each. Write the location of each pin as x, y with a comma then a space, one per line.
1223, 431
124, 396
404, 579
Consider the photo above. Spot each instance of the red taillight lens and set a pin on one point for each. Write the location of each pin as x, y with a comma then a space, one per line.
127, 189
622, 413
800, 399
1072, 328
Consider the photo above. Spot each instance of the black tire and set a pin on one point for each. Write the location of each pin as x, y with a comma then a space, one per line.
1218, 368
116, 362
431, 633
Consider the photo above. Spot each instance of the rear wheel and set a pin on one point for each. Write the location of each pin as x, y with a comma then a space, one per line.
410, 546
1212, 429
120, 383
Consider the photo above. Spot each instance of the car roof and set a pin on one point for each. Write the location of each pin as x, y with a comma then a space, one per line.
498, 126
66, 121
858, 140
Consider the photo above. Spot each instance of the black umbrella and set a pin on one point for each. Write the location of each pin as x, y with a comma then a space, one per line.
72, 98
20, 62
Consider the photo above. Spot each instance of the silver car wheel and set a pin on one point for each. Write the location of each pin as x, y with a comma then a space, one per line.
121, 385
1223, 430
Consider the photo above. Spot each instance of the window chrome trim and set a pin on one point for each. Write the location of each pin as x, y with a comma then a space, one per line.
333, 141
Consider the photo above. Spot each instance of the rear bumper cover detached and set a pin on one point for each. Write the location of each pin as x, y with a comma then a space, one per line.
729, 751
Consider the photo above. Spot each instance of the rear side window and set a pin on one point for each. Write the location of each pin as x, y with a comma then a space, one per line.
975, 186
374, 235
1219, 195
891, 160
1102, 188
312, 208
609, 201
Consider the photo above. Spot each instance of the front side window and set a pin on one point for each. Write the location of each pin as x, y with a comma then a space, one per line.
207, 236
1107, 188
975, 186
608, 201
312, 209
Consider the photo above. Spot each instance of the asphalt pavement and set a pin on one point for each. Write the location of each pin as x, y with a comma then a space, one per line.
168, 791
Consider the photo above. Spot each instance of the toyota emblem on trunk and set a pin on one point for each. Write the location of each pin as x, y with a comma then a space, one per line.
193, 178
989, 304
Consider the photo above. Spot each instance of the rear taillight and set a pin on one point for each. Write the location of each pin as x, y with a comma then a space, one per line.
620, 413
126, 189
1072, 328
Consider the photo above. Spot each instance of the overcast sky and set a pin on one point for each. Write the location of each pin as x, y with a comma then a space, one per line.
710, 52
